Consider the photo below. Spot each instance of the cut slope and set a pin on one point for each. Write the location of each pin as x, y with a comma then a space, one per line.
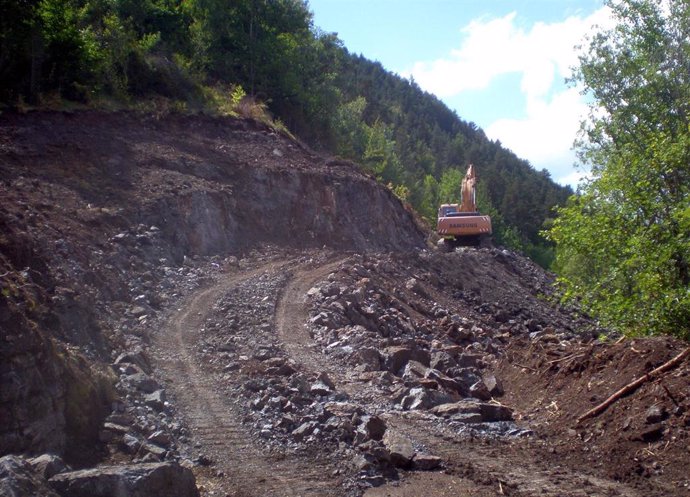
95, 204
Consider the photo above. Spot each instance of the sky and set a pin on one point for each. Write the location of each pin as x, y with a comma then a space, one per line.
498, 63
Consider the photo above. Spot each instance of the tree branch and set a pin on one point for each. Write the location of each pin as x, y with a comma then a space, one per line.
634, 385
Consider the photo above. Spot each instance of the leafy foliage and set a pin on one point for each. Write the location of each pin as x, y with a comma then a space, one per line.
194, 54
623, 245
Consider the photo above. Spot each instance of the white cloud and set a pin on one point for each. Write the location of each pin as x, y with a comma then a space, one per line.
545, 136
542, 54
499, 46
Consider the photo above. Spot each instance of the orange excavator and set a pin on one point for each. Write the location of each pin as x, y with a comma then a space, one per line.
461, 224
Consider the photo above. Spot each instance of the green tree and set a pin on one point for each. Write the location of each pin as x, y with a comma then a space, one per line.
19, 49
449, 186
428, 205
623, 245
350, 129
379, 155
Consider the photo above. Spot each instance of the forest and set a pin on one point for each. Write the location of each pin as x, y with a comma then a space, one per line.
266, 59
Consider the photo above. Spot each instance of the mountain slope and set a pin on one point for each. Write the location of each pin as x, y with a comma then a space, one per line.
206, 292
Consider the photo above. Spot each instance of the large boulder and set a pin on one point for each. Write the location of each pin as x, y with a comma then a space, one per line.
368, 357
423, 398
136, 480
442, 361
400, 448
472, 411
137, 357
18, 478
396, 357
48, 465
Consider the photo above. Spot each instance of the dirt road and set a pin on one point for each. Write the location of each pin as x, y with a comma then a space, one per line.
266, 308
241, 467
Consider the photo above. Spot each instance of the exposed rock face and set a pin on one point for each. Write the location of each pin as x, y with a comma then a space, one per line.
93, 202
18, 478
137, 480
48, 396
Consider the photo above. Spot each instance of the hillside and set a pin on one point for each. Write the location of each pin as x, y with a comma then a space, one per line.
267, 60
201, 305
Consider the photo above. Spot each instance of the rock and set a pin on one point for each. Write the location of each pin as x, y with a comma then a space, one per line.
320, 388
155, 450
120, 418
314, 293
160, 438
137, 357
422, 398
400, 449
471, 411
532, 325
376, 451
342, 409
18, 478
467, 376
469, 360
396, 357
427, 462
48, 465
461, 407
655, 414
304, 430
495, 412
442, 361
323, 319
156, 400
131, 443
326, 380
373, 480
502, 316
415, 286
447, 383
264, 353
414, 371
479, 391
651, 433
137, 311
280, 366
369, 357
493, 384
115, 428
374, 426
143, 382
137, 480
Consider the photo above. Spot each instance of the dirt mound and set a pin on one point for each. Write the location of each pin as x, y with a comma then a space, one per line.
206, 292
645, 433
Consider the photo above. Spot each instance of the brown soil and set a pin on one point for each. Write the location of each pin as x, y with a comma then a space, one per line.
270, 277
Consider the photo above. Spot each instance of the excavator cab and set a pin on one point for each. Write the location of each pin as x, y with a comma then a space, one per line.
461, 224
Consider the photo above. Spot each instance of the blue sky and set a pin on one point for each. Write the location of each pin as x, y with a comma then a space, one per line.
498, 63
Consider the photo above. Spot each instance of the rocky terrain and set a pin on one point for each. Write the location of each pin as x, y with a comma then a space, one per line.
200, 306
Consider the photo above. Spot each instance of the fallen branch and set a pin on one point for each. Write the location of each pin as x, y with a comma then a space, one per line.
634, 385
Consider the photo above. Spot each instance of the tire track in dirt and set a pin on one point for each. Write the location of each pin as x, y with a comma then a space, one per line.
291, 316
215, 420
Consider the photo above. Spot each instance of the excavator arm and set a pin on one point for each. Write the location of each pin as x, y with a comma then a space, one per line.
468, 201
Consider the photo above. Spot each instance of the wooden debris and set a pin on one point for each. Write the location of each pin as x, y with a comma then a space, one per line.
634, 385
